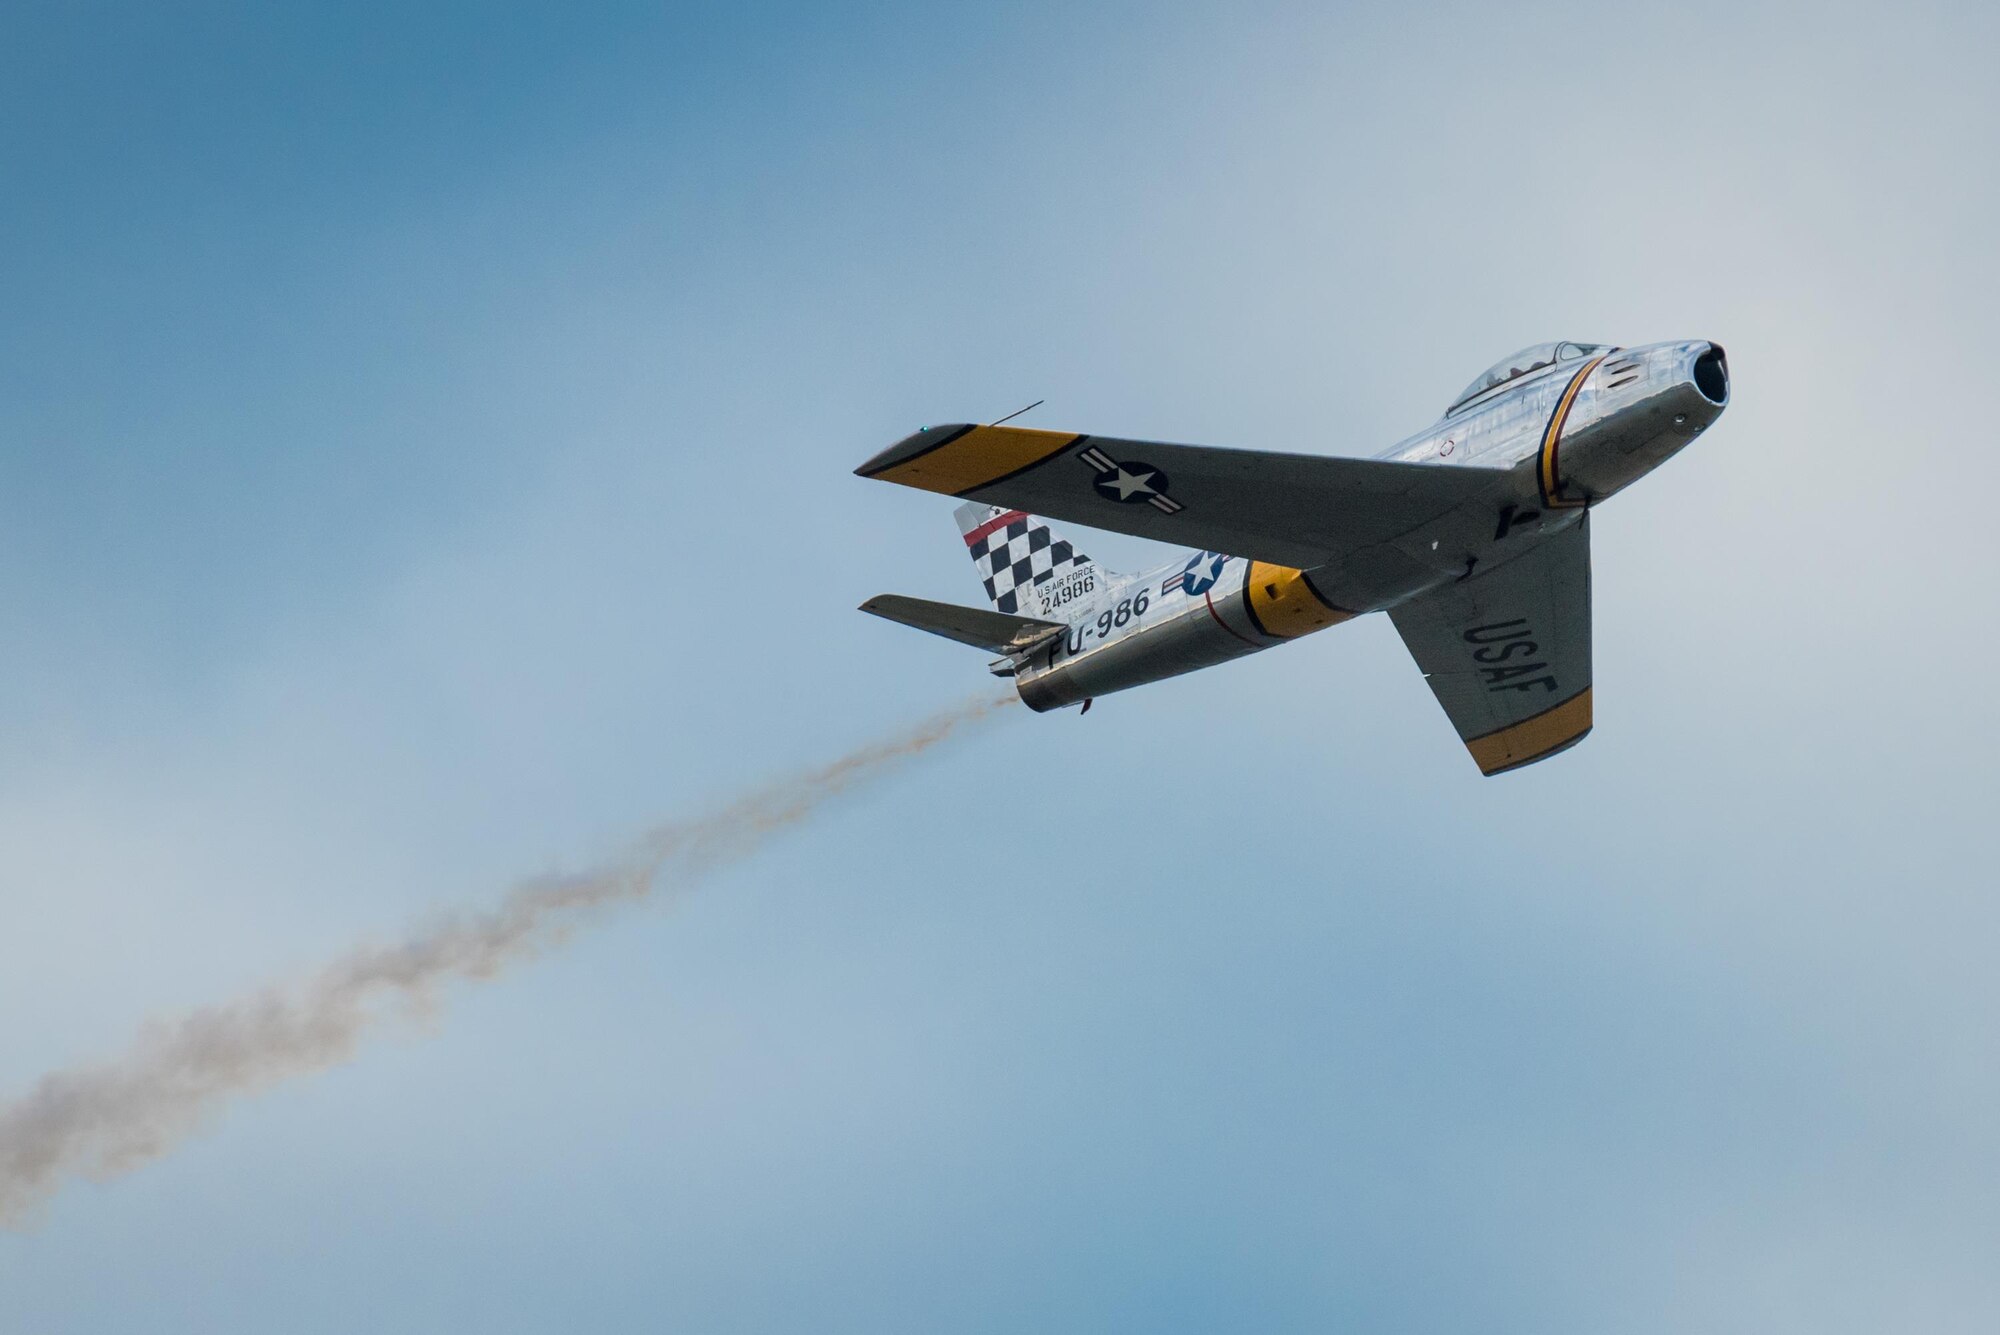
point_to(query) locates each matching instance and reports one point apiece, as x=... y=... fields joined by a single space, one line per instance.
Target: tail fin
x=1022 y=560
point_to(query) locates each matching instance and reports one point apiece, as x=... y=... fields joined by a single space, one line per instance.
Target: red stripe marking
x=995 y=523
x=1224 y=624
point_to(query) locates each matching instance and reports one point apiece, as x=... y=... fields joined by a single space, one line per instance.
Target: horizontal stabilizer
x=995 y=632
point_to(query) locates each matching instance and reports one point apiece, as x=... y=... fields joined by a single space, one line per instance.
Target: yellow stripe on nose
x=977 y=458
x=1533 y=738
x=1551 y=483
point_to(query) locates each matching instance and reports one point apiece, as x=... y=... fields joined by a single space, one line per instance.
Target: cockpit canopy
x=1525 y=362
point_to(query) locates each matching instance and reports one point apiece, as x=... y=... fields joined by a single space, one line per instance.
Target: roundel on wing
x=1130 y=483
x=1202 y=572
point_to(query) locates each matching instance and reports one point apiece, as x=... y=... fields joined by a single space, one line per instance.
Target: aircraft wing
x=995 y=632
x=1507 y=652
x=1297 y=510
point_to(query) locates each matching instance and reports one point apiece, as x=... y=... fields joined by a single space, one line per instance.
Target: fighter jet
x=1473 y=535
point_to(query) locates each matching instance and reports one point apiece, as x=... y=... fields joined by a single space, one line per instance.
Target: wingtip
x=1510 y=766
x=923 y=438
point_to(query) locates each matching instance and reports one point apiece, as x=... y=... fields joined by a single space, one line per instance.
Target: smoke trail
x=100 y=1121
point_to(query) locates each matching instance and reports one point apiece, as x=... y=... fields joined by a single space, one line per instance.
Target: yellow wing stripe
x=1533 y=738
x=977 y=458
x=1552 y=485
x=1284 y=604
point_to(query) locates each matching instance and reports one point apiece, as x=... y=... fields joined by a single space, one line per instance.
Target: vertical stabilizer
x=1028 y=569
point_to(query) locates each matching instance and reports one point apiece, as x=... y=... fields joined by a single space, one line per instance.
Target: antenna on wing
x=1018 y=411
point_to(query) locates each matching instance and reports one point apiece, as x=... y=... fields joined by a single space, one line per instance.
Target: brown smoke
x=99 y=1121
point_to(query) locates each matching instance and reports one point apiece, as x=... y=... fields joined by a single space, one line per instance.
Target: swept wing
x=1296 y=510
x=1507 y=652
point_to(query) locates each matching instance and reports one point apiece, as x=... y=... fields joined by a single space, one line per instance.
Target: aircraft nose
x=1709 y=369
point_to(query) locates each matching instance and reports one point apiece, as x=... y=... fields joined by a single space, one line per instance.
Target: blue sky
x=424 y=460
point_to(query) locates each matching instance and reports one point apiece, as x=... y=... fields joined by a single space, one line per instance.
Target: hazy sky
x=424 y=460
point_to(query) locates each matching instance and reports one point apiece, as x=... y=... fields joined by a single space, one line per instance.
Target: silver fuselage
x=1566 y=437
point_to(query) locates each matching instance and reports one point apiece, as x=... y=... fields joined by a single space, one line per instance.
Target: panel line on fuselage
x=1210 y=601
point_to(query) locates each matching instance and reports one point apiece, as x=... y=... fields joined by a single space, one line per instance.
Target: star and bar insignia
x=1129 y=483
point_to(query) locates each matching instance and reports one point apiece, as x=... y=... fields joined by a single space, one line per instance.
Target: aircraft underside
x=1473 y=536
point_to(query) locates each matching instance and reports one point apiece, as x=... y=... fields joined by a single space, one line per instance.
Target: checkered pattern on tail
x=1015 y=551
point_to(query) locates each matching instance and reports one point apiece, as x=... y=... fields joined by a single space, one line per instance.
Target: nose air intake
x=1711 y=375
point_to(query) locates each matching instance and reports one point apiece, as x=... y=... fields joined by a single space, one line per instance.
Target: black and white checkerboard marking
x=1018 y=555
